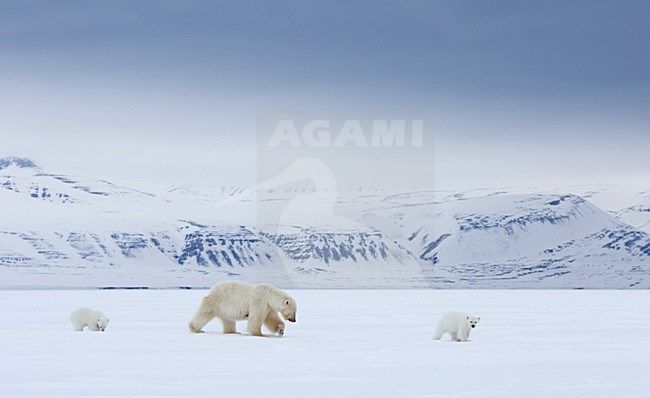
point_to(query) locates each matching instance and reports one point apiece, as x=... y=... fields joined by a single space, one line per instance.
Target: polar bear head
x=472 y=321
x=278 y=300
x=288 y=308
x=101 y=322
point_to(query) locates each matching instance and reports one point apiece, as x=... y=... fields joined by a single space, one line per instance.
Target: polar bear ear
x=287 y=302
x=468 y=318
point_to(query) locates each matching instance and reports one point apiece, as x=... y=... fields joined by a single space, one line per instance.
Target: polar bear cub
x=233 y=301
x=457 y=324
x=95 y=320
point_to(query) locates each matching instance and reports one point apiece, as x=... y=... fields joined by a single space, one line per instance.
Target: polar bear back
x=233 y=298
x=452 y=321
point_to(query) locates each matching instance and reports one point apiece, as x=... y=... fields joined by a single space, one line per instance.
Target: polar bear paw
x=280 y=330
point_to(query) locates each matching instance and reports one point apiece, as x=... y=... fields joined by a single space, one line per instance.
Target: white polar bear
x=457 y=324
x=95 y=320
x=233 y=301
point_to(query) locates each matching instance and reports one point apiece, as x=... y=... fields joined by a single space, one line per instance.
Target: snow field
x=345 y=343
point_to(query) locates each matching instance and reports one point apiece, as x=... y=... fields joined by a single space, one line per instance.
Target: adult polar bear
x=233 y=301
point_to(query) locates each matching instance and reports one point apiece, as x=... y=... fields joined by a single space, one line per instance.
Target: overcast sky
x=159 y=93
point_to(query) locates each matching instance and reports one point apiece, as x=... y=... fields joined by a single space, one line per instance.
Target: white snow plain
x=347 y=343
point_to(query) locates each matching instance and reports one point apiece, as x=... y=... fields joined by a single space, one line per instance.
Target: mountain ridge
x=76 y=231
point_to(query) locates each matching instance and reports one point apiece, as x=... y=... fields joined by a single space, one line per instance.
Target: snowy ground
x=346 y=343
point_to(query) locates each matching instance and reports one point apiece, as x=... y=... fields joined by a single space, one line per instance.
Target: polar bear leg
x=200 y=320
x=454 y=336
x=203 y=315
x=229 y=327
x=439 y=332
x=78 y=327
x=255 y=319
x=274 y=323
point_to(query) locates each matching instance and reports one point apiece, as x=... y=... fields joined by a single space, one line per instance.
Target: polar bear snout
x=291 y=318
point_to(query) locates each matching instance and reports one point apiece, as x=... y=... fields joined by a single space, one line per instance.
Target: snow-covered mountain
x=60 y=230
x=529 y=240
x=637 y=215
